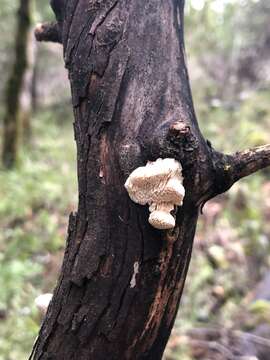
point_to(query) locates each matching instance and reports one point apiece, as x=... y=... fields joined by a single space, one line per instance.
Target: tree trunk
x=28 y=92
x=11 y=132
x=122 y=280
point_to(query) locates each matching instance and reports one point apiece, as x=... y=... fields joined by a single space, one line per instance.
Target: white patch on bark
x=136 y=271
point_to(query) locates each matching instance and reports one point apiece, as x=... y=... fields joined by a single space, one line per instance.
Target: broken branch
x=247 y=162
x=48 y=32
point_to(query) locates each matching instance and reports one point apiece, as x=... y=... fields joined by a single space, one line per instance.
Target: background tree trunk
x=28 y=92
x=11 y=133
x=122 y=280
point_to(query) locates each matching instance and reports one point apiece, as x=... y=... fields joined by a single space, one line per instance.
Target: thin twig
x=247 y=162
x=254 y=338
x=214 y=345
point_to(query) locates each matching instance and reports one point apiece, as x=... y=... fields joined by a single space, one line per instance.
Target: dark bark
x=132 y=103
x=11 y=133
x=48 y=32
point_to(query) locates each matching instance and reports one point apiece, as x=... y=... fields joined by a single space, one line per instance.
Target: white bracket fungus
x=158 y=184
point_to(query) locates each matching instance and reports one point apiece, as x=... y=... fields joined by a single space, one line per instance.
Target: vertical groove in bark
x=11 y=132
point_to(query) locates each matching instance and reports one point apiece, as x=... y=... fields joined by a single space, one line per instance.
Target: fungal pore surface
x=160 y=185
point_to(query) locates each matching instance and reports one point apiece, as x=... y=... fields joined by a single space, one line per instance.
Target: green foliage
x=244 y=125
x=35 y=200
x=43 y=11
x=260 y=313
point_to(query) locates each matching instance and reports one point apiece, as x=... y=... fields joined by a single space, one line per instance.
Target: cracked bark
x=132 y=103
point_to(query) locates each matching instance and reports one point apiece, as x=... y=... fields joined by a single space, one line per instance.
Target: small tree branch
x=48 y=32
x=228 y=169
x=215 y=346
x=247 y=162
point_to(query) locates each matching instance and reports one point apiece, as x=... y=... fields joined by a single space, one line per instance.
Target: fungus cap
x=161 y=220
x=158 y=181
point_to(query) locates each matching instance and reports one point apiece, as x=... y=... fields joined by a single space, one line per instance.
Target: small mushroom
x=161 y=217
x=42 y=302
x=158 y=184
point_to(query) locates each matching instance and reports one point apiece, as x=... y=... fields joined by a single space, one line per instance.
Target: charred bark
x=12 y=128
x=122 y=280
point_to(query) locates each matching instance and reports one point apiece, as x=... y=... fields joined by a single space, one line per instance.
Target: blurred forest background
x=226 y=303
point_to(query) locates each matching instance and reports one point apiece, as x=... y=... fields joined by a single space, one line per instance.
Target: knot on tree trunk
x=48 y=32
x=173 y=140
